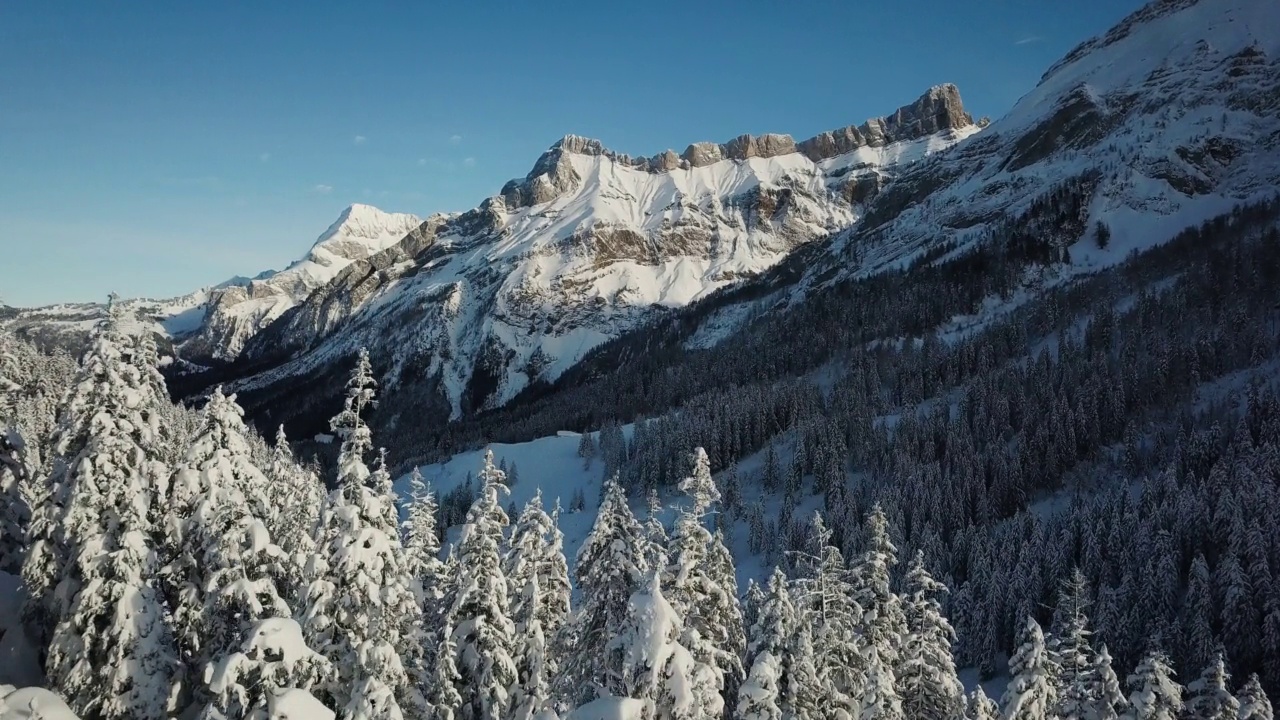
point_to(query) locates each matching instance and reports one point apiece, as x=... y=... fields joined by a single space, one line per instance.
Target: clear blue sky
x=154 y=147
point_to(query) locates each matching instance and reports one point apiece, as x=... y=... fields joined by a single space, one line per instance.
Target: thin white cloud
x=264 y=157
x=1028 y=40
x=322 y=189
x=455 y=139
x=469 y=162
x=360 y=140
x=422 y=162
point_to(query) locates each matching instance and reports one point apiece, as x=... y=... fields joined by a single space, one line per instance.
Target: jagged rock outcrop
x=939 y=109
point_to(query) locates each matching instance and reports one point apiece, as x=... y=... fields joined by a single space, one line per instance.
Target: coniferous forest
x=173 y=563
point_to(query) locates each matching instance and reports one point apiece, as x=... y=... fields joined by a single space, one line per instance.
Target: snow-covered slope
x=215 y=322
x=1171 y=117
x=237 y=312
x=590 y=244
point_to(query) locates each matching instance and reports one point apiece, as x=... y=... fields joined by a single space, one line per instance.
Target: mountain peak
x=938 y=109
x=367 y=222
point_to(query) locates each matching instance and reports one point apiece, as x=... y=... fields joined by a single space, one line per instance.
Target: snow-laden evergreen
x=1254 y=703
x=538 y=578
x=360 y=608
x=700 y=581
x=273 y=661
x=611 y=566
x=656 y=666
x=981 y=707
x=298 y=497
x=1109 y=701
x=422 y=544
x=761 y=695
x=1033 y=693
x=483 y=631
x=926 y=673
x=1154 y=693
x=226 y=574
x=1210 y=695
x=1072 y=653
x=834 y=619
x=111 y=652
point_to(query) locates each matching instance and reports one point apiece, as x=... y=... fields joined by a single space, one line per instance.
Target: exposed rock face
x=938 y=110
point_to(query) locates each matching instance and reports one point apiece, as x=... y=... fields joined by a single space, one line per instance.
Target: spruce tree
x=1254 y=704
x=611 y=566
x=1033 y=692
x=299 y=497
x=761 y=695
x=1210 y=696
x=483 y=631
x=884 y=622
x=1072 y=652
x=701 y=583
x=272 y=661
x=1154 y=694
x=361 y=611
x=657 y=667
x=538 y=583
x=824 y=597
x=981 y=707
x=422 y=546
x=112 y=653
x=1108 y=699
x=926 y=672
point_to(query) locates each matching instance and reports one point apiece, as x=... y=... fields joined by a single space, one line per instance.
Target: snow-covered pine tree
x=656 y=666
x=586 y=450
x=1108 y=699
x=884 y=622
x=443 y=700
x=273 y=660
x=655 y=532
x=880 y=700
x=16 y=470
x=1210 y=695
x=481 y=614
x=1254 y=704
x=610 y=568
x=360 y=608
x=1154 y=694
x=824 y=597
x=926 y=672
x=700 y=581
x=1032 y=694
x=299 y=497
x=422 y=548
x=761 y=695
x=537 y=578
x=1072 y=653
x=227 y=573
x=981 y=707
x=806 y=695
x=112 y=654
x=752 y=600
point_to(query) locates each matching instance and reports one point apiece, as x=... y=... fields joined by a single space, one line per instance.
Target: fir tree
x=1072 y=653
x=611 y=566
x=538 y=581
x=981 y=707
x=826 y=604
x=481 y=614
x=1210 y=698
x=926 y=673
x=761 y=695
x=273 y=660
x=422 y=545
x=112 y=654
x=1254 y=704
x=1154 y=694
x=1108 y=699
x=443 y=699
x=701 y=584
x=1033 y=692
x=361 y=611
x=884 y=622
x=655 y=664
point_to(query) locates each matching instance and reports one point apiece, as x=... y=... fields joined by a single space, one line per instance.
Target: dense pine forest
x=174 y=564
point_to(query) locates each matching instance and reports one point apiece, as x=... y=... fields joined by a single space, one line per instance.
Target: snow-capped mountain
x=238 y=311
x=215 y=322
x=588 y=246
x=1169 y=118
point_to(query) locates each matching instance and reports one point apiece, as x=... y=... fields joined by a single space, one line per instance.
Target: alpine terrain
x=926 y=418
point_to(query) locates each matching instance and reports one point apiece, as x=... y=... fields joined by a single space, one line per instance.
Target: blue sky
x=152 y=148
